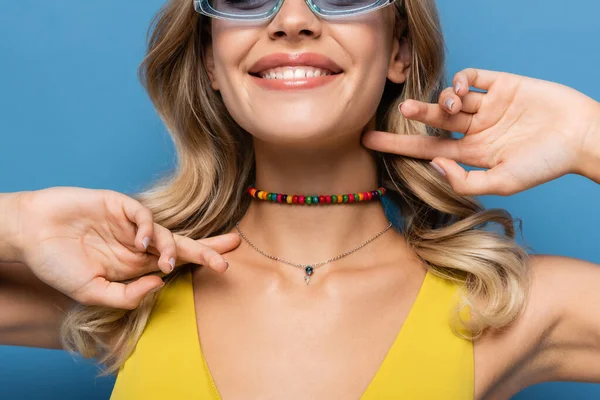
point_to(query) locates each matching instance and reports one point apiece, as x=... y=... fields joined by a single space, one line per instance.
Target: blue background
x=73 y=113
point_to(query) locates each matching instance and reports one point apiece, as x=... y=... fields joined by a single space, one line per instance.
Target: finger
x=118 y=295
x=142 y=217
x=479 y=78
x=449 y=101
x=477 y=182
x=164 y=243
x=472 y=101
x=416 y=146
x=436 y=116
x=222 y=243
x=207 y=252
x=150 y=263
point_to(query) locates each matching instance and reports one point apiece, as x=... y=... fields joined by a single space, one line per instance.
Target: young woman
x=324 y=300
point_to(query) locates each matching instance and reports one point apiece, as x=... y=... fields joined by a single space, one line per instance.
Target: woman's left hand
x=526 y=131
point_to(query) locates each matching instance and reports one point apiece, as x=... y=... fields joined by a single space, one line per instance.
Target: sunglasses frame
x=203 y=7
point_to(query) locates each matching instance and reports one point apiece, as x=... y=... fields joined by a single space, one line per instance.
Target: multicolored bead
x=283 y=198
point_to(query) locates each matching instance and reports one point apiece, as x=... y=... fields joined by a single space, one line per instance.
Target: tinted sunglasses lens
x=346 y=6
x=243 y=7
x=249 y=8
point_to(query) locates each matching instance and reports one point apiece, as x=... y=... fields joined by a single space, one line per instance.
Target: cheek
x=231 y=46
x=366 y=44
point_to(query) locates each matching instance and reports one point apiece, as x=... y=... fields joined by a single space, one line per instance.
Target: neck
x=314 y=233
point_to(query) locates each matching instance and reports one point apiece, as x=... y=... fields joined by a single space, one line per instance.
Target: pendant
x=309 y=271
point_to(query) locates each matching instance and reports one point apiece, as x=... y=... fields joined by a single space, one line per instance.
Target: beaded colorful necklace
x=323 y=199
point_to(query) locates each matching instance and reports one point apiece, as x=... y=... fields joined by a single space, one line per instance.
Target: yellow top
x=426 y=360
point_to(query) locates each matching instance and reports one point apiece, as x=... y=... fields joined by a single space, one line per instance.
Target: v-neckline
x=417 y=301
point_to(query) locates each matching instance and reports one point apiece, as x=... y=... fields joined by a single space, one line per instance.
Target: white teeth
x=288 y=74
x=293 y=73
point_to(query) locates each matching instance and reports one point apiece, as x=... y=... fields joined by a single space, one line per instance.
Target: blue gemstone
x=309 y=270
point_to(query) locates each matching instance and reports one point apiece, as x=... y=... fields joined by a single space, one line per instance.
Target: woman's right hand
x=86 y=242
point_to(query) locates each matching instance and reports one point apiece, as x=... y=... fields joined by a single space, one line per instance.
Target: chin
x=303 y=136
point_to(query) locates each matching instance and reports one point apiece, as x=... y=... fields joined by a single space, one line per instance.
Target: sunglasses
x=261 y=10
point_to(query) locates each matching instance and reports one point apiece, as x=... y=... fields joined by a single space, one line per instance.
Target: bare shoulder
x=532 y=348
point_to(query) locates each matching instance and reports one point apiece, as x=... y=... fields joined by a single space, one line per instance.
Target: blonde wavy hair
x=202 y=197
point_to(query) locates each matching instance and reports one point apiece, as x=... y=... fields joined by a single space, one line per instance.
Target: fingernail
x=226 y=262
x=438 y=168
x=400 y=107
x=449 y=103
x=172 y=262
x=146 y=242
x=457 y=87
x=156 y=289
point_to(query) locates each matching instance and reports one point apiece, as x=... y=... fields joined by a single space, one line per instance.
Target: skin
x=307 y=141
x=296 y=137
x=95 y=247
x=244 y=313
x=522 y=141
x=526 y=132
x=86 y=243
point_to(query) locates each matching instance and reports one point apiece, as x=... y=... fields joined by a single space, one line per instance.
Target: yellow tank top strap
x=427 y=361
x=167 y=361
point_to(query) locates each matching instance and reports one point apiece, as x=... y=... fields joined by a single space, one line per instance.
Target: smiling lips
x=283 y=71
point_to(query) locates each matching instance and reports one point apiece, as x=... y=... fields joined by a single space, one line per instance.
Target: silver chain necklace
x=309 y=268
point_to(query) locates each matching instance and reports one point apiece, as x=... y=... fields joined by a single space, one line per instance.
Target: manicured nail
x=172 y=262
x=449 y=103
x=457 y=87
x=438 y=168
x=400 y=107
x=146 y=242
x=156 y=289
